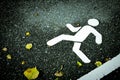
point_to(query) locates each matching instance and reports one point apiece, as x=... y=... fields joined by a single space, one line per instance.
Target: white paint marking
x=103 y=70
x=79 y=37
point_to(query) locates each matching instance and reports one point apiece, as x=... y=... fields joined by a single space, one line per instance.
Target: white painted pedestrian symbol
x=80 y=36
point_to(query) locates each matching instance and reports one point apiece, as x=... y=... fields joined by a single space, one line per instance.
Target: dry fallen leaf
x=31 y=73
x=28 y=46
x=98 y=63
x=27 y=33
x=4 y=49
x=9 y=56
x=79 y=64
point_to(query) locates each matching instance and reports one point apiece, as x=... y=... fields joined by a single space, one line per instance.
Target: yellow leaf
x=31 y=73
x=9 y=56
x=27 y=33
x=28 y=46
x=23 y=62
x=4 y=49
x=98 y=63
x=79 y=64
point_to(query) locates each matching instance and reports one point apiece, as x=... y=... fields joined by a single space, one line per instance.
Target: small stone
x=78 y=25
x=23 y=37
x=28 y=46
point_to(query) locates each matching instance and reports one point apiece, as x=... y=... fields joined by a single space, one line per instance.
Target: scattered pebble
x=98 y=63
x=4 y=49
x=23 y=37
x=59 y=74
x=9 y=56
x=78 y=25
x=79 y=64
x=28 y=46
x=27 y=33
x=31 y=73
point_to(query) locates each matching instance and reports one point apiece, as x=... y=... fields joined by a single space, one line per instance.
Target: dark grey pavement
x=46 y=19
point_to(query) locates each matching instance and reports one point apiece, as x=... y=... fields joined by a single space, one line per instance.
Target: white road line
x=103 y=70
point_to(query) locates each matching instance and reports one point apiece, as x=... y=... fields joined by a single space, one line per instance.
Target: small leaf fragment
x=56 y=78
x=79 y=64
x=23 y=62
x=61 y=67
x=107 y=59
x=58 y=74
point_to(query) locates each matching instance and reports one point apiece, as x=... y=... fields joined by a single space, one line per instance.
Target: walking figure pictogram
x=80 y=36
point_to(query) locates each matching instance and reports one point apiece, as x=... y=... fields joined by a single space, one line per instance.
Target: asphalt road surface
x=45 y=19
